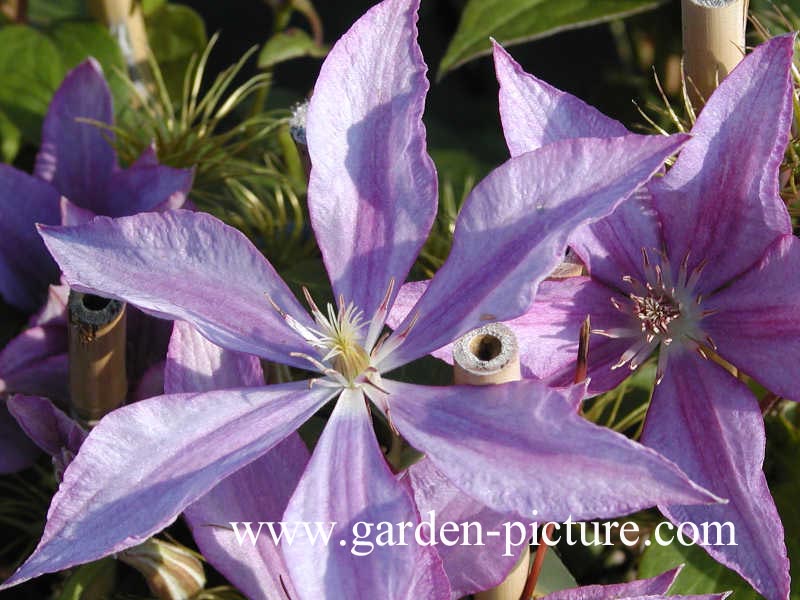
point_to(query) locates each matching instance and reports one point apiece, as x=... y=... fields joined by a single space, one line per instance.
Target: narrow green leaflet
x=286 y=45
x=514 y=21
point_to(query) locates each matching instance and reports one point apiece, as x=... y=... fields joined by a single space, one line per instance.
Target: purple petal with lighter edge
x=710 y=424
x=513 y=230
x=756 y=319
x=521 y=447
x=535 y=114
x=189 y=266
x=654 y=587
x=26 y=268
x=46 y=425
x=348 y=482
x=76 y=156
x=17 y=451
x=258 y=492
x=470 y=568
x=150 y=460
x=373 y=189
x=710 y=210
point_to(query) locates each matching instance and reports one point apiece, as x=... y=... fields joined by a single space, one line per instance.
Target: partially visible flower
x=701 y=264
x=76 y=177
x=372 y=199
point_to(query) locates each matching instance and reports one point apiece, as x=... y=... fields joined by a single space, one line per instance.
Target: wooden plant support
x=486 y=356
x=713 y=43
x=97 y=379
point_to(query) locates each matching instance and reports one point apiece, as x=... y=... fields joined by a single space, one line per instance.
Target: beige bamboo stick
x=97 y=379
x=713 y=43
x=125 y=21
x=486 y=356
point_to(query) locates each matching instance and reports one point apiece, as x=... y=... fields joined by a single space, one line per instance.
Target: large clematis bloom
x=372 y=198
x=701 y=263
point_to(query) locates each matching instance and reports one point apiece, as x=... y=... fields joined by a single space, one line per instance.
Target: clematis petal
x=654 y=587
x=46 y=425
x=470 y=568
x=259 y=491
x=548 y=332
x=513 y=231
x=196 y=365
x=185 y=265
x=146 y=188
x=148 y=461
x=719 y=203
x=709 y=423
x=348 y=482
x=522 y=447
x=35 y=363
x=76 y=156
x=17 y=451
x=72 y=214
x=373 y=189
x=756 y=323
x=535 y=114
x=612 y=248
x=26 y=269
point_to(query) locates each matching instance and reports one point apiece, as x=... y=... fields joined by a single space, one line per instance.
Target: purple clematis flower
x=701 y=263
x=372 y=198
x=76 y=177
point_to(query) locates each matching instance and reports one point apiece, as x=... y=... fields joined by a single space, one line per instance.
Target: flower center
x=664 y=307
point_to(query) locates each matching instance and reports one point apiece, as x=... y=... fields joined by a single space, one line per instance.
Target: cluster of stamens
x=350 y=346
x=664 y=307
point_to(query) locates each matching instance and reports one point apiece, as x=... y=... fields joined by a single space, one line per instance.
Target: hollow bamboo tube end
x=97 y=379
x=713 y=43
x=485 y=356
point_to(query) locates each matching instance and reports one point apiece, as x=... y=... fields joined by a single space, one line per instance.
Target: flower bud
x=172 y=572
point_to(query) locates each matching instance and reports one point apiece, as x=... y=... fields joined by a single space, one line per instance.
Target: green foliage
x=175 y=33
x=32 y=64
x=515 y=21
x=286 y=45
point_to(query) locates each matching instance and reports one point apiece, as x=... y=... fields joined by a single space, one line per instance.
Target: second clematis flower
x=702 y=264
x=516 y=448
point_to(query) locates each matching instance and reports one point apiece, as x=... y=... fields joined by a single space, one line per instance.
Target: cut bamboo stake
x=97 y=379
x=486 y=356
x=713 y=43
x=125 y=21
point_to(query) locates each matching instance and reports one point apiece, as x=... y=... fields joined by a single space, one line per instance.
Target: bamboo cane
x=713 y=43
x=125 y=21
x=486 y=356
x=97 y=379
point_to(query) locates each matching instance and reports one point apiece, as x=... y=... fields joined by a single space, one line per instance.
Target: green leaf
x=515 y=21
x=151 y=6
x=30 y=69
x=554 y=576
x=700 y=575
x=175 y=33
x=46 y=12
x=91 y=581
x=76 y=41
x=286 y=45
x=10 y=139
